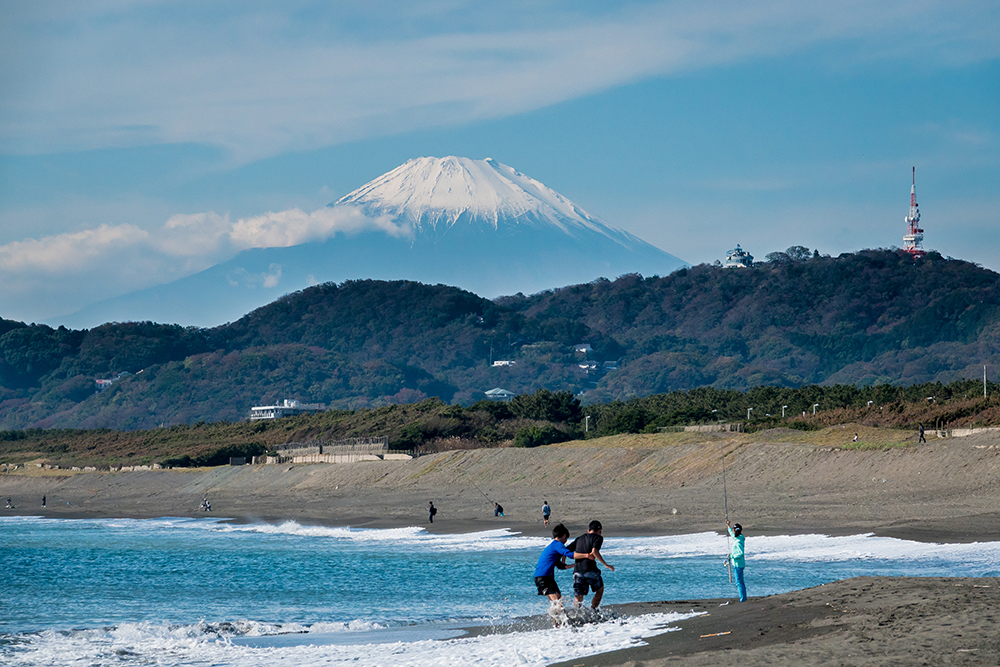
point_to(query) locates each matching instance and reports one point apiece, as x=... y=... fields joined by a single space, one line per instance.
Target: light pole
x=749 y=410
x=714 y=415
x=815 y=405
x=783 y=411
x=586 y=424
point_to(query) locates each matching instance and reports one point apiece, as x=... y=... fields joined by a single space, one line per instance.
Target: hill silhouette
x=872 y=317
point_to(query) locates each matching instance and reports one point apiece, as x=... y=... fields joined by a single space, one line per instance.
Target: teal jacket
x=736 y=554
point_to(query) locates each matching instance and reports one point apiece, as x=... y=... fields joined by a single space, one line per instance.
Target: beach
x=776 y=483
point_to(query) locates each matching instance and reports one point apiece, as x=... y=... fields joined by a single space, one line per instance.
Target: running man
x=546 y=511
x=736 y=555
x=586 y=574
x=553 y=556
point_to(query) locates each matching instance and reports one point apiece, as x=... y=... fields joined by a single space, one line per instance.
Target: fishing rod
x=725 y=495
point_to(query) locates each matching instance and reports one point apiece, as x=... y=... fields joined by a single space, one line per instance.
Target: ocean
x=204 y=591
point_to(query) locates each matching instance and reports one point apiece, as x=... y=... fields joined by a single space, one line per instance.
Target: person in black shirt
x=586 y=574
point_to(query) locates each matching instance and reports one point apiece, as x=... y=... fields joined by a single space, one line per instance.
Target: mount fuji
x=475 y=224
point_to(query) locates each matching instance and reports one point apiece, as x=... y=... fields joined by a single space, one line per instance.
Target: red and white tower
x=914 y=235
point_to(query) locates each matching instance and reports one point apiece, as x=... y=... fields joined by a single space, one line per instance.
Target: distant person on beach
x=736 y=556
x=921 y=432
x=553 y=556
x=546 y=511
x=9 y=506
x=855 y=438
x=586 y=574
x=431 y=511
x=43 y=501
x=497 y=509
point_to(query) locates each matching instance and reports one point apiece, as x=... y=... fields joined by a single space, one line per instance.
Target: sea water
x=209 y=592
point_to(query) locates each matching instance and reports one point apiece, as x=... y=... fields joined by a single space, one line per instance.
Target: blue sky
x=136 y=136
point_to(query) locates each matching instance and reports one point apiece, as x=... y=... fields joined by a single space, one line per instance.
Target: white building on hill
x=285 y=409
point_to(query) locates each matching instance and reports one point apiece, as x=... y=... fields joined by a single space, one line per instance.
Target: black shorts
x=547 y=585
x=584 y=580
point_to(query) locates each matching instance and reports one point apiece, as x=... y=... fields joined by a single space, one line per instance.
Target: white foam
x=501 y=538
x=804 y=548
x=145 y=643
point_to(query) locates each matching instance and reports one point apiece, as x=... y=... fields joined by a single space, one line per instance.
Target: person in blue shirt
x=553 y=556
x=737 y=557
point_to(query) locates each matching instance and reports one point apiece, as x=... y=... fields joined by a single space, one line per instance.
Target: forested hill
x=876 y=316
x=870 y=317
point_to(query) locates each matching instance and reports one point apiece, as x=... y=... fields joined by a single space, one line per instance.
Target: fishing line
x=725 y=495
x=481 y=491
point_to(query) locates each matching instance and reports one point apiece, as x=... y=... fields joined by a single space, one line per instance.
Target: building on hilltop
x=738 y=259
x=285 y=409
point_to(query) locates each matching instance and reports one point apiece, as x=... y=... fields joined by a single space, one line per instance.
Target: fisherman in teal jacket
x=736 y=556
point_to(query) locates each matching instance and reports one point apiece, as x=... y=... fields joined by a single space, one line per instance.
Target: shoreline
x=952 y=534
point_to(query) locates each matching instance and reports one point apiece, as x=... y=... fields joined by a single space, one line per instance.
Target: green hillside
x=870 y=318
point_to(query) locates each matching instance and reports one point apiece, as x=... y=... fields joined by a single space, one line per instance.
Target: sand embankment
x=776 y=482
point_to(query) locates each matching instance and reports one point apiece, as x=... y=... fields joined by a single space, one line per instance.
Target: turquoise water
x=74 y=586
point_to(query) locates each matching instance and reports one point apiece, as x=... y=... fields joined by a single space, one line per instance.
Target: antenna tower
x=914 y=234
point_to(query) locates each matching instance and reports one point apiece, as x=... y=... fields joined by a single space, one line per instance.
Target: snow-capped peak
x=436 y=193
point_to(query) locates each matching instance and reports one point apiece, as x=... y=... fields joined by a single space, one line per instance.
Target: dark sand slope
x=778 y=482
x=862 y=621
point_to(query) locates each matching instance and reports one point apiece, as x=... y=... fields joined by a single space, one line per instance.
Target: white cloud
x=72 y=252
x=66 y=271
x=294 y=227
x=260 y=82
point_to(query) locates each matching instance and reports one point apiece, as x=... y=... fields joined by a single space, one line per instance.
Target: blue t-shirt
x=550 y=556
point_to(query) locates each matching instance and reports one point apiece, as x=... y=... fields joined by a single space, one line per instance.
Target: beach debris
x=717 y=634
x=673 y=511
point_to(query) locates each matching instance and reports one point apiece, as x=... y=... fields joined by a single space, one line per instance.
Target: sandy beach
x=777 y=482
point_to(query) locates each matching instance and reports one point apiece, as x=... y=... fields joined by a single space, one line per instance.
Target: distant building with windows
x=738 y=259
x=285 y=409
x=503 y=362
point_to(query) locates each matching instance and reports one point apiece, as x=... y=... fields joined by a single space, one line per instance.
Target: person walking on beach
x=497 y=509
x=736 y=556
x=546 y=511
x=553 y=556
x=586 y=574
x=920 y=438
x=43 y=501
x=431 y=511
